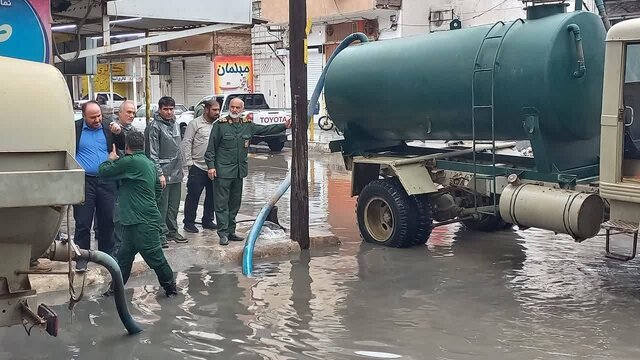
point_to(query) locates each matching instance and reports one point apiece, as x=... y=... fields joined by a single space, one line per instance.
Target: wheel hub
x=378 y=219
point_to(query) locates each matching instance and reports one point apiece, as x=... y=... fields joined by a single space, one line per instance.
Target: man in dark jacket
x=164 y=150
x=94 y=141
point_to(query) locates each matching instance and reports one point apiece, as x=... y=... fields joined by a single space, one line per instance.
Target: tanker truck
x=39 y=180
x=556 y=79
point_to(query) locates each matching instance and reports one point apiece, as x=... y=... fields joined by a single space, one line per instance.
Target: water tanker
x=539 y=78
x=39 y=180
x=556 y=79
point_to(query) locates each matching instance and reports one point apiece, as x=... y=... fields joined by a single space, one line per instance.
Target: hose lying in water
x=111 y=265
x=247 y=255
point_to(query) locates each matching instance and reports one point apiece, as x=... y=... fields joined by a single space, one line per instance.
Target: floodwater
x=466 y=295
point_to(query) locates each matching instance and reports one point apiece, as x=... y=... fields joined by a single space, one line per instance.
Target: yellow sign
x=101 y=79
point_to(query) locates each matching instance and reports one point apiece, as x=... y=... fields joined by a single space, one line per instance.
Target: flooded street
x=466 y=295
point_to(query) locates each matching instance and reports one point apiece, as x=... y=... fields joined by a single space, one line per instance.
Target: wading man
x=139 y=193
x=226 y=159
x=194 y=145
x=125 y=120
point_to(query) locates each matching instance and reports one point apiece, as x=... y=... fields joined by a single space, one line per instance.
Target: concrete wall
x=277 y=11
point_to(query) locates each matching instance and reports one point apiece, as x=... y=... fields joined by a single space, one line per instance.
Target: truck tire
x=275 y=146
x=424 y=219
x=385 y=215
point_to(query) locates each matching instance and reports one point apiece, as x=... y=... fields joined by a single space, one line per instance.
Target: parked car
x=256 y=108
x=117 y=100
x=183 y=117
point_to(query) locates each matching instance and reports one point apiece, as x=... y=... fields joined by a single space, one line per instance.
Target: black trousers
x=198 y=180
x=99 y=199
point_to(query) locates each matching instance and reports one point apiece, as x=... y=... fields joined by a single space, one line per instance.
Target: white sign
x=124 y=79
x=211 y=11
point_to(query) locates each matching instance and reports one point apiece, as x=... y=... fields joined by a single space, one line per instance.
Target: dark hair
x=209 y=103
x=84 y=106
x=135 y=141
x=166 y=101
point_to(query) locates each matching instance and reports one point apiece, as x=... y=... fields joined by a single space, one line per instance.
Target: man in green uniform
x=139 y=194
x=226 y=159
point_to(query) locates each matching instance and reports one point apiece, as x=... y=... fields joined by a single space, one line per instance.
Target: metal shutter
x=199 y=74
x=177 y=81
x=314 y=69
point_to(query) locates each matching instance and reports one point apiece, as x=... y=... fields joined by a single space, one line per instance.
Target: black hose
x=111 y=265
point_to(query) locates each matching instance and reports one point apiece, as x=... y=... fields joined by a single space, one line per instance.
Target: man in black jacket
x=94 y=142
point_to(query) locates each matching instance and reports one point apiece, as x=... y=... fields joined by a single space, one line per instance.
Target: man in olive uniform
x=226 y=159
x=139 y=193
x=125 y=119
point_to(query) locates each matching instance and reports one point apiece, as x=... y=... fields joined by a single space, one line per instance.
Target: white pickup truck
x=258 y=110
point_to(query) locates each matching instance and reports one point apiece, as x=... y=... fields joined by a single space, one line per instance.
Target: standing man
x=125 y=120
x=164 y=151
x=139 y=194
x=194 y=145
x=94 y=141
x=226 y=159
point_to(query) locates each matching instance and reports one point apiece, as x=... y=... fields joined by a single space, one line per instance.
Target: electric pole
x=300 y=122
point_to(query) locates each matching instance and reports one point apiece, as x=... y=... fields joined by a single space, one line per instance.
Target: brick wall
x=233 y=42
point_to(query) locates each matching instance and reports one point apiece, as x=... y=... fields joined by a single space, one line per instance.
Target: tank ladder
x=489 y=49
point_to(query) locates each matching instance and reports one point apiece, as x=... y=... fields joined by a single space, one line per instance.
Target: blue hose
x=111 y=265
x=247 y=255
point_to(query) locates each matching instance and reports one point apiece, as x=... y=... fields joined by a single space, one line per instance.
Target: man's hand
x=115 y=128
x=113 y=155
x=212 y=173
x=287 y=122
x=163 y=181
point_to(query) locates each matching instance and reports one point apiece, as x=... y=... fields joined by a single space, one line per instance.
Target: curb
x=201 y=249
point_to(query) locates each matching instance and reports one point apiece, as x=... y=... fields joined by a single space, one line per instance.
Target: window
x=117 y=97
x=631 y=101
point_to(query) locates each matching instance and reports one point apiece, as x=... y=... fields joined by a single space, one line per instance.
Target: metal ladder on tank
x=483 y=107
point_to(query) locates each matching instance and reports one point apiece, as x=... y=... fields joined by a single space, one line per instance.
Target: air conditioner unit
x=440 y=20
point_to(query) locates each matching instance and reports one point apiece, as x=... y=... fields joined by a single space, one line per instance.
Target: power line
x=484 y=12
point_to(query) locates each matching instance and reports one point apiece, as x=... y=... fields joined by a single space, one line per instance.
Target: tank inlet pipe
x=59 y=252
x=603 y=14
x=582 y=68
x=247 y=255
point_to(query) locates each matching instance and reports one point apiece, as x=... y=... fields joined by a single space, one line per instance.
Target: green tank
x=437 y=86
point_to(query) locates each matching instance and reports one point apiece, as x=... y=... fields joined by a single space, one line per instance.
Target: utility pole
x=299 y=163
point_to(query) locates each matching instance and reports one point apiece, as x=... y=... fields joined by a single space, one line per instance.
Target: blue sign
x=22 y=33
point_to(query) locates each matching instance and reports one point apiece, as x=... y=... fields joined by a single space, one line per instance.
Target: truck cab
x=619 y=148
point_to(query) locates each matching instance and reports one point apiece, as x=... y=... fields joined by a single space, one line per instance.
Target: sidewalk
x=202 y=249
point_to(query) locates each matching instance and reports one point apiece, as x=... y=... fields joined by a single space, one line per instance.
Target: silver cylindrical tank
x=38 y=174
x=563 y=211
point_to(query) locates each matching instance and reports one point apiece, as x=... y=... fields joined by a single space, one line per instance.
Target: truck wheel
x=424 y=219
x=275 y=146
x=384 y=214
